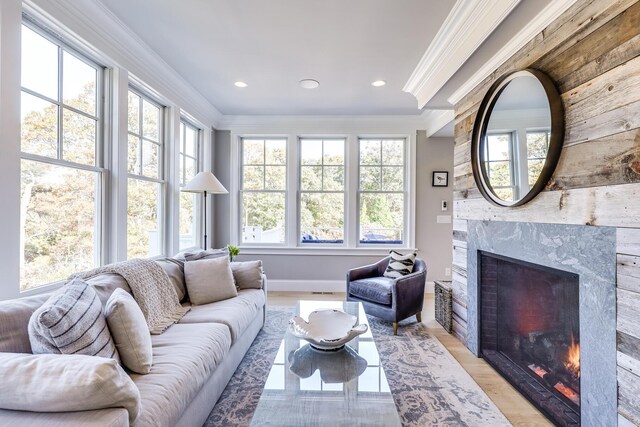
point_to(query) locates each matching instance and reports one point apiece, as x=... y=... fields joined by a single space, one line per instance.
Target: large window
x=381 y=192
x=146 y=177
x=263 y=190
x=61 y=166
x=322 y=182
x=189 y=167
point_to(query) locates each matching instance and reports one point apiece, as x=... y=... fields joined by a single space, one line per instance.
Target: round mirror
x=517 y=137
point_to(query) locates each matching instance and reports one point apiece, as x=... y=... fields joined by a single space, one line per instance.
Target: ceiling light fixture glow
x=378 y=83
x=240 y=84
x=309 y=83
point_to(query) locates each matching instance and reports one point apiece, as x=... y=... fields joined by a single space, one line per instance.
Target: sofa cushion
x=237 y=313
x=175 y=270
x=209 y=280
x=374 y=289
x=71 y=322
x=61 y=383
x=130 y=332
x=105 y=283
x=14 y=322
x=184 y=357
x=247 y=274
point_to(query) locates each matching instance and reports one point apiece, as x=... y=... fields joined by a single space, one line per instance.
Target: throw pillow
x=71 y=322
x=399 y=265
x=209 y=280
x=248 y=274
x=129 y=331
x=64 y=383
x=175 y=270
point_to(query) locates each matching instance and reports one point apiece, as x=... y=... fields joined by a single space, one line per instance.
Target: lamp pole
x=205 y=220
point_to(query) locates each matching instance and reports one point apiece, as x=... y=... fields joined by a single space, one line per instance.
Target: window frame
x=197 y=220
x=241 y=191
x=102 y=144
x=162 y=163
x=513 y=157
x=405 y=193
x=300 y=191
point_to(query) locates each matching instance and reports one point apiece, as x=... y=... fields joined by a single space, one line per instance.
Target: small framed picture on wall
x=440 y=179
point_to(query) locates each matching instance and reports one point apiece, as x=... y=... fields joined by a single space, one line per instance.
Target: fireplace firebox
x=530 y=332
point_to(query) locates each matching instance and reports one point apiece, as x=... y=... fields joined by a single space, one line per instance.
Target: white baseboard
x=306 y=285
x=318 y=286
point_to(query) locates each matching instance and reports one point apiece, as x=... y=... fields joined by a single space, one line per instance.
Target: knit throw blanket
x=151 y=289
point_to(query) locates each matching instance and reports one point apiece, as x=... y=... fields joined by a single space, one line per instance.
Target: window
x=263 y=190
x=61 y=166
x=537 y=148
x=322 y=192
x=499 y=164
x=189 y=167
x=146 y=185
x=381 y=192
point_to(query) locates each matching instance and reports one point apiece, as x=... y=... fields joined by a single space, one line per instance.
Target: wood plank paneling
x=592 y=51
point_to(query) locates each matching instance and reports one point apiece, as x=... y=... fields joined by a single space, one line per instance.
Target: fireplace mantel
x=589 y=252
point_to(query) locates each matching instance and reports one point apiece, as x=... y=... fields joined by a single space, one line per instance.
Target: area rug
x=429 y=386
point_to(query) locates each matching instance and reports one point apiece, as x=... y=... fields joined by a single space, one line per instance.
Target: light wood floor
x=515 y=407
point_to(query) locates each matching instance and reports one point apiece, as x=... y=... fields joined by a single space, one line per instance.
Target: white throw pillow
x=71 y=322
x=399 y=264
x=64 y=383
x=209 y=280
x=129 y=331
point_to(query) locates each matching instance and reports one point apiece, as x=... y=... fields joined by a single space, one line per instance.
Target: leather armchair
x=387 y=298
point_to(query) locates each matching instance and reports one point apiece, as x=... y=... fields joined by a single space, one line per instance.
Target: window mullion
x=60 y=107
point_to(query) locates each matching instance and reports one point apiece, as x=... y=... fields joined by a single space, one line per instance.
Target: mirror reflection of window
x=499 y=164
x=537 y=148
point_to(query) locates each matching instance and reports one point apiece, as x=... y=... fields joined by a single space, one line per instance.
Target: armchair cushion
x=374 y=289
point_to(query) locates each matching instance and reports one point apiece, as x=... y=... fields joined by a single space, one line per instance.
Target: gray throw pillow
x=201 y=254
x=71 y=322
x=399 y=264
x=129 y=331
x=209 y=280
x=175 y=270
x=247 y=274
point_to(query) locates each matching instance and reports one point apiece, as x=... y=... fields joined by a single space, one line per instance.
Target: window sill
x=323 y=251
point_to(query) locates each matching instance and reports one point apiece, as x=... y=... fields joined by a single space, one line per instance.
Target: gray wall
x=433 y=240
x=221 y=152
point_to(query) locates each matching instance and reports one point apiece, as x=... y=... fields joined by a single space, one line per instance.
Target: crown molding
x=95 y=28
x=535 y=26
x=321 y=123
x=437 y=119
x=468 y=24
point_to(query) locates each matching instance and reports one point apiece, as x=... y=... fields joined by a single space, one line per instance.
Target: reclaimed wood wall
x=592 y=52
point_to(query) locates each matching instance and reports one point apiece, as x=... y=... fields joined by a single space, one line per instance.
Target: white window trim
x=198 y=220
x=351 y=247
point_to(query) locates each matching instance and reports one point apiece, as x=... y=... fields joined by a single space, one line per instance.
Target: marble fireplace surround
x=587 y=251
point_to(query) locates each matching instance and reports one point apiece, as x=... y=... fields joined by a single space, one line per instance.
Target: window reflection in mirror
x=517 y=137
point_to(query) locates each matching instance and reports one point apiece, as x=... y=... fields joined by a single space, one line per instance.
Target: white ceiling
x=271 y=45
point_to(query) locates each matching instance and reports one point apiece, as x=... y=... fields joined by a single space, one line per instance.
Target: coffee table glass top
x=307 y=387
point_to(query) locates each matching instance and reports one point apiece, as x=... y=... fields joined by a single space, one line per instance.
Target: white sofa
x=192 y=361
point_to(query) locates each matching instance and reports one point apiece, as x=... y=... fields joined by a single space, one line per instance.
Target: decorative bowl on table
x=327 y=330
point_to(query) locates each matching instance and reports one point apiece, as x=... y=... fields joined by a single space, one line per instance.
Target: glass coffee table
x=307 y=387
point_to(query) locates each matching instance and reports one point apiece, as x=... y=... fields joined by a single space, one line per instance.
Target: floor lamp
x=205 y=182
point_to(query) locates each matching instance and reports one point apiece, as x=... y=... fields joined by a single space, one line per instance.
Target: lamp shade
x=205 y=181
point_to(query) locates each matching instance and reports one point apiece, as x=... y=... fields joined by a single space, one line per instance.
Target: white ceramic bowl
x=327 y=329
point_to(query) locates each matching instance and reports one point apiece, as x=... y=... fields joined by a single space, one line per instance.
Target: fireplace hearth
x=530 y=332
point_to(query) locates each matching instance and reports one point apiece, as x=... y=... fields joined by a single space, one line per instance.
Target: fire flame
x=573 y=358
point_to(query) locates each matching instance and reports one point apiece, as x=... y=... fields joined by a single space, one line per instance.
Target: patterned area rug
x=429 y=386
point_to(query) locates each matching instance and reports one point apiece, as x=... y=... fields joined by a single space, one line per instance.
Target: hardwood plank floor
x=515 y=407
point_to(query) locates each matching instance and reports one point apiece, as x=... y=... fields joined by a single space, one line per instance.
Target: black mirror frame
x=480 y=128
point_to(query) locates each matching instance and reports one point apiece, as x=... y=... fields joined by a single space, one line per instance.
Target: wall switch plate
x=443 y=219
x=447 y=271
x=444 y=206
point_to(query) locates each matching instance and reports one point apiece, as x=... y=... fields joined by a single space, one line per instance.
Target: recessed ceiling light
x=309 y=83
x=240 y=84
x=378 y=83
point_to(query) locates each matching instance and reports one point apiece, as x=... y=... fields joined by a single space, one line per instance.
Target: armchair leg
x=395 y=328
x=419 y=317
